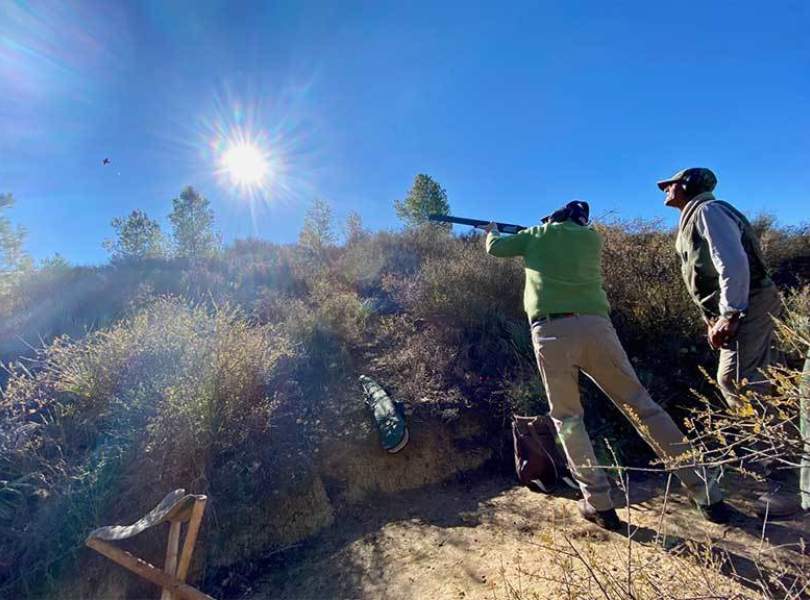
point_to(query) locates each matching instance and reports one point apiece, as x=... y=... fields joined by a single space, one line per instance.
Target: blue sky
x=514 y=108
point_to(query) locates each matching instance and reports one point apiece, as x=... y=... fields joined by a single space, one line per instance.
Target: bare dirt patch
x=491 y=539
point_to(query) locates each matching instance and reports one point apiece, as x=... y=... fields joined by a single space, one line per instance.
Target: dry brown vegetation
x=236 y=376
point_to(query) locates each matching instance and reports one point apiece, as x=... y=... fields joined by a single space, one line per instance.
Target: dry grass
x=158 y=401
x=152 y=392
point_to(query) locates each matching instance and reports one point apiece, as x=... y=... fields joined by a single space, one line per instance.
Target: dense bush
x=159 y=400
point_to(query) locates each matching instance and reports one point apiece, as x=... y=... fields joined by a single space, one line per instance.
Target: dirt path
x=491 y=539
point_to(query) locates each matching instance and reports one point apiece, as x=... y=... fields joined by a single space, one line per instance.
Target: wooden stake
x=191 y=537
x=170 y=566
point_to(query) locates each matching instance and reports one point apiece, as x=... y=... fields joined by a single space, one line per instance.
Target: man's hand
x=491 y=226
x=723 y=331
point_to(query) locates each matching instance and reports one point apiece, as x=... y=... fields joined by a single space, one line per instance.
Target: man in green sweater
x=572 y=333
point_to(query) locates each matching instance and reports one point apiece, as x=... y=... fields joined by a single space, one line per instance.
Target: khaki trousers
x=588 y=343
x=751 y=349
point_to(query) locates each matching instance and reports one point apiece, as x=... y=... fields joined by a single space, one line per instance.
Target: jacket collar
x=692 y=206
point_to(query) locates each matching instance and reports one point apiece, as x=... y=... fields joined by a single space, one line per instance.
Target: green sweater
x=563 y=264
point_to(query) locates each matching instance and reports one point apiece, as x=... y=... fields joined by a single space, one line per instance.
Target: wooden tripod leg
x=170 y=566
x=147 y=571
x=191 y=537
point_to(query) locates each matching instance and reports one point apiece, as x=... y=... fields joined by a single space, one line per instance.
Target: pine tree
x=316 y=234
x=137 y=237
x=193 y=226
x=425 y=197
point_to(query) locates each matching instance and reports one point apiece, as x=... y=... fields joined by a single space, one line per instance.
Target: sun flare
x=246 y=164
x=253 y=156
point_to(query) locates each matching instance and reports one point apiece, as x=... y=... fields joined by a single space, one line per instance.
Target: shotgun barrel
x=502 y=227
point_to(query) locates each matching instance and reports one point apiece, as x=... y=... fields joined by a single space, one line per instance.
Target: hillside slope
x=237 y=376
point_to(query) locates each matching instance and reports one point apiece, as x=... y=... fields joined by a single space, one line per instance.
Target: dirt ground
x=488 y=538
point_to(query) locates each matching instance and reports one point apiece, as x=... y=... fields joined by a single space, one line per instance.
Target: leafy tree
x=354 y=228
x=317 y=234
x=137 y=237
x=425 y=197
x=14 y=262
x=193 y=225
x=12 y=257
x=54 y=264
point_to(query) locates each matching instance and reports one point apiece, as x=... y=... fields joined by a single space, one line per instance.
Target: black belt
x=551 y=317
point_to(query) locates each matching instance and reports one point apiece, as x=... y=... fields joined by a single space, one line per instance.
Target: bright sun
x=246 y=164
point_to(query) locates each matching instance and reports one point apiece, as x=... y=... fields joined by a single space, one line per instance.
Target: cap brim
x=662 y=185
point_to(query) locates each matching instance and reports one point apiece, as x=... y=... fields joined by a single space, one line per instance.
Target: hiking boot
x=607 y=519
x=777 y=504
x=715 y=513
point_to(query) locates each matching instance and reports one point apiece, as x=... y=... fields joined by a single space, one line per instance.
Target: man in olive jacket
x=571 y=332
x=726 y=276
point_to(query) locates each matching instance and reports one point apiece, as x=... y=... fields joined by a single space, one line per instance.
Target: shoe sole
x=401 y=444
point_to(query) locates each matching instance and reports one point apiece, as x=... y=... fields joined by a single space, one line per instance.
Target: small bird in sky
x=106 y=161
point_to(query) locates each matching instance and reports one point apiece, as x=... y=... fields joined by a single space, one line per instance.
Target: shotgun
x=502 y=227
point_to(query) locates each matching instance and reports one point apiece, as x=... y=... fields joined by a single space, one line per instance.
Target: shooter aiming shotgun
x=571 y=332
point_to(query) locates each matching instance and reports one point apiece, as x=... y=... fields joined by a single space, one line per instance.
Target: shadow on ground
x=461 y=502
x=458 y=539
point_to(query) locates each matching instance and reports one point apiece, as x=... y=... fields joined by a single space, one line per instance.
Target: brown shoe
x=607 y=519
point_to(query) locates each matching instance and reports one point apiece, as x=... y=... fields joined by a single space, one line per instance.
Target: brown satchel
x=539 y=464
